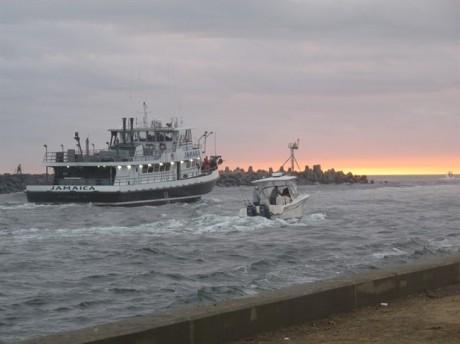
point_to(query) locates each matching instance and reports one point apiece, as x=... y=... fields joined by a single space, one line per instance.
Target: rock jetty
x=17 y=182
x=309 y=175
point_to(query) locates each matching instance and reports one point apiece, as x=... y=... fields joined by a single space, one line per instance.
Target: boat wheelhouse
x=151 y=164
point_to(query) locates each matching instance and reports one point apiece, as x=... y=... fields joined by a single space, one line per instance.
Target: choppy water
x=70 y=266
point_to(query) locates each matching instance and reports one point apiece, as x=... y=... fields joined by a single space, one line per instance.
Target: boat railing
x=83 y=181
x=158 y=177
x=99 y=156
x=147 y=179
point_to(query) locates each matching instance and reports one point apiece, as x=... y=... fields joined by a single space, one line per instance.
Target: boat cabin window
x=142 y=136
x=165 y=167
x=149 y=148
x=145 y=169
x=150 y=169
x=74 y=175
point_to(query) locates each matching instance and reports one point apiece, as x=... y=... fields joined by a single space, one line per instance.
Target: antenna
x=145 y=120
x=77 y=138
x=293 y=147
x=87 y=146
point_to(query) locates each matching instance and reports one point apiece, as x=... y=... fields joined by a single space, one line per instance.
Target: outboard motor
x=264 y=211
x=251 y=210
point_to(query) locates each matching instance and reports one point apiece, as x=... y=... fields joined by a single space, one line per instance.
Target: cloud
x=253 y=18
x=337 y=71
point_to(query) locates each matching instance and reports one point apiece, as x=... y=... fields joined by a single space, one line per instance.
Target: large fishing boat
x=148 y=164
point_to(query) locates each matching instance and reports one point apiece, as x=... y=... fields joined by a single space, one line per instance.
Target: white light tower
x=293 y=147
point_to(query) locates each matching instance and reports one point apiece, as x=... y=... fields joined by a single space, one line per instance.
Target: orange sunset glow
x=383 y=166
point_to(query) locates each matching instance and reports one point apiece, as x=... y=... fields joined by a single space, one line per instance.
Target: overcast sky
x=362 y=84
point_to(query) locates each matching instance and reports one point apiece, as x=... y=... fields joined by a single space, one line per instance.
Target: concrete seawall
x=247 y=316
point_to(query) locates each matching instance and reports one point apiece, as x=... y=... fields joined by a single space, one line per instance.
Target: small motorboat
x=276 y=196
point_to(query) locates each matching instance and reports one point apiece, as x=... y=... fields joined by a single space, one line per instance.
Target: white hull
x=213 y=176
x=185 y=190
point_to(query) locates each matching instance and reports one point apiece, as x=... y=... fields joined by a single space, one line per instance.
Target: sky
x=368 y=86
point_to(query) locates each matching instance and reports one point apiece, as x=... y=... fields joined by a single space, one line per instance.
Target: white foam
x=25 y=206
x=219 y=223
x=443 y=244
x=306 y=220
x=317 y=217
x=394 y=252
x=203 y=223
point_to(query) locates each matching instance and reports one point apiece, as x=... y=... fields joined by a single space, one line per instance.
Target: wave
x=416 y=248
x=202 y=224
x=394 y=252
x=317 y=217
x=120 y=290
x=28 y=206
x=216 y=293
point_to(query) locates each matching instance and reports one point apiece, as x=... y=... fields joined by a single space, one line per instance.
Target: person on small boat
x=273 y=195
x=286 y=196
x=256 y=196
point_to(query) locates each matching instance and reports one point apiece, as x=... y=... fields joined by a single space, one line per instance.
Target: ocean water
x=65 y=267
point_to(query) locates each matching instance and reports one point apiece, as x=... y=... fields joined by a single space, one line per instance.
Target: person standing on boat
x=256 y=196
x=205 y=166
x=273 y=195
x=286 y=196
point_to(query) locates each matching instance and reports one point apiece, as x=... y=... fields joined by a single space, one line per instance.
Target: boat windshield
x=266 y=190
x=293 y=190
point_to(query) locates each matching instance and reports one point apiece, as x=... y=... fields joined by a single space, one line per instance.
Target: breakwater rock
x=17 y=182
x=309 y=175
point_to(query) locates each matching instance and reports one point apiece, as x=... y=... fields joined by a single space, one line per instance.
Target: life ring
x=162 y=146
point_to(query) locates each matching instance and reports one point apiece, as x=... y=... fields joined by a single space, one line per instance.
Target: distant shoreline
x=308 y=176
